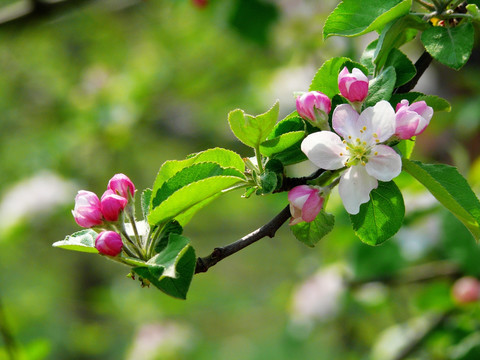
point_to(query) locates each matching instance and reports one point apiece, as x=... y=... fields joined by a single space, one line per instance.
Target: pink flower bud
x=314 y=106
x=87 y=212
x=353 y=86
x=112 y=205
x=411 y=120
x=466 y=290
x=121 y=185
x=305 y=203
x=109 y=243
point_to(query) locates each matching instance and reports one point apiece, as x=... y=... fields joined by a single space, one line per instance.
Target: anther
x=376 y=153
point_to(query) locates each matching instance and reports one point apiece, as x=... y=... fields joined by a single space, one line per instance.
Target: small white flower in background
x=318 y=298
x=361 y=151
x=39 y=194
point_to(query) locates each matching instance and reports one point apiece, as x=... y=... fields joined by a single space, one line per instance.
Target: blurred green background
x=93 y=88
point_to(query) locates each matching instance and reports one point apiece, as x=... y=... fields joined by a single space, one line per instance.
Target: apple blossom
x=314 y=106
x=361 y=151
x=87 y=211
x=411 y=120
x=353 y=86
x=112 y=205
x=305 y=203
x=109 y=243
x=121 y=185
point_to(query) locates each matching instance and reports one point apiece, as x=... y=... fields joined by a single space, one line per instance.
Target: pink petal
x=354 y=188
x=384 y=163
x=344 y=121
x=325 y=149
x=379 y=120
x=312 y=207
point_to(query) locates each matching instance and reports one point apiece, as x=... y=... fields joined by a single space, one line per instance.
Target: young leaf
x=252 y=130
x=268 y=182
x=394 y=35
x=281 y=143
x=310 y=233
x=83 y=241
x=172 y=227
x=381 y=217
x=406 y=147
x=357 y=17
x=326 y=78
x=189 y=197
x=450 y=46
x=188 y=175
x=450 y=189
x=404 y=68
x=172 y=269
x=224 y=158
x=145 y=201
x=381 y=87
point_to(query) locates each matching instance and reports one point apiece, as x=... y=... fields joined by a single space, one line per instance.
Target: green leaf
x=281 y=143
x=394 y=35
x=381 y=217
x=145 y=202
x=310 y=233
x=172 y=269
x=188 y=175
x=268 y=182
x=172 y=227
x=354 y=17
x=285 y=134
x=189 y=196
x=406 y=147
x=367 y=57
x=404 y=68
x=252 y=130
x=450 y=189
x=381 y=87
x=83 y=241
x=437 y=103
x=326 y=78
x=224 y=158
x=450 y=46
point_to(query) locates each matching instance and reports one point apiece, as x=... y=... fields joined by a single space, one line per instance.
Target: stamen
x=375 y=135
x=341 y=154
x=363 y=163
x=358 y=140
x=376 y=153
x=377 y=140
x=344 y=141
x=361 y=131
x=349 y=137
x=364 y=143
x=364 y=128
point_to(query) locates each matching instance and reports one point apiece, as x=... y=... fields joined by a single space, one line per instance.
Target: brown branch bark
x=421 y=65
x=220 y=253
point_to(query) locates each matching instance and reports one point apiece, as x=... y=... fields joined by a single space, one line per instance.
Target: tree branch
x=421 y=65
x=220 y=253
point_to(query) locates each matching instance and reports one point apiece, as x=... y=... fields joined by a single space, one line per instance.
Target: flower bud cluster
x=359 y=146
x=90 y=211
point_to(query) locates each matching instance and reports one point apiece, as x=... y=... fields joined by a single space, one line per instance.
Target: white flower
x=361 y=151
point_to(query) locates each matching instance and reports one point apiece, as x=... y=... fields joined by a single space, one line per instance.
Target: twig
x=220 y=253
x=426 y=5
x=436 y=322
x=290 y=183
x=421 y=65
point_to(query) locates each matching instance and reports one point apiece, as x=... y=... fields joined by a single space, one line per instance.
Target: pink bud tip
x=112 y=205
x=109 y=243
x=87 y=212
x=353 y=86
x=314 y=106
x=411 y=120
x=305 y=203
x=121 y=185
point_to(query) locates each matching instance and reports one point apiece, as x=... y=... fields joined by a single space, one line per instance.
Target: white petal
x=354 y=188
x=325 y=149
x=379 y=120
x=344 y=121
x=384 y=163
